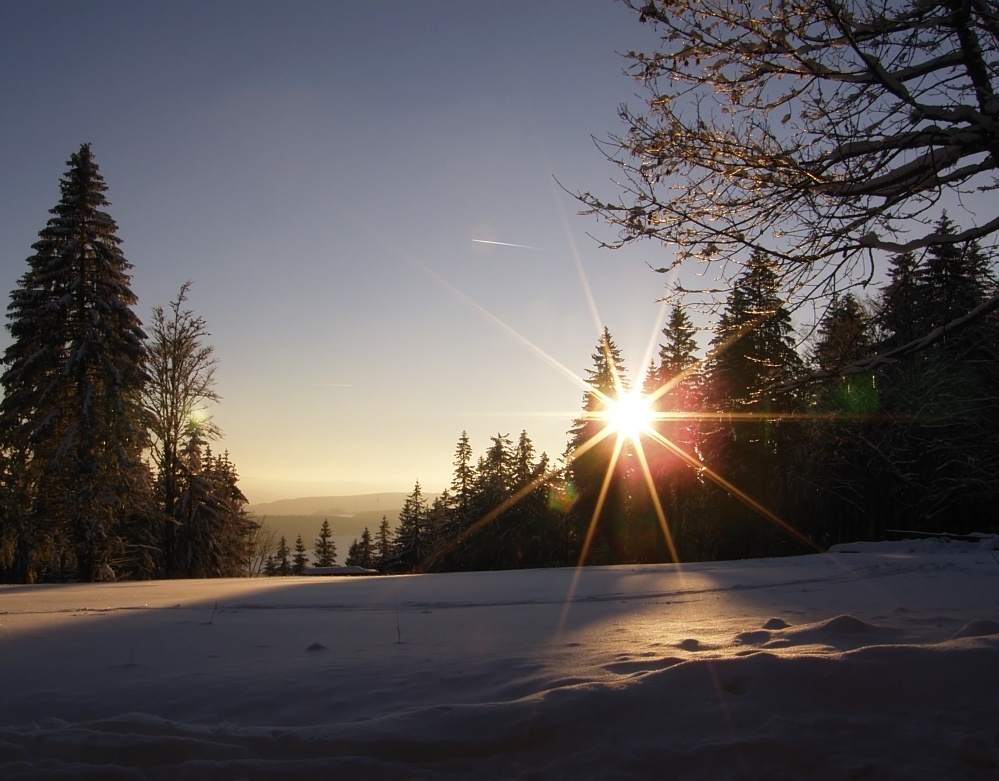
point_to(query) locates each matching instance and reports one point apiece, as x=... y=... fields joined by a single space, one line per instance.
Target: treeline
x=757 y=448
x=105 y=465
x=285 y=561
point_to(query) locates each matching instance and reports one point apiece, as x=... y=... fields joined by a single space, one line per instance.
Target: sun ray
x=657 y=504
x=601 y=498
x=734 y=490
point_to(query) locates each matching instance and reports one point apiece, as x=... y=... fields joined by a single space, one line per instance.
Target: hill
x=332 y=505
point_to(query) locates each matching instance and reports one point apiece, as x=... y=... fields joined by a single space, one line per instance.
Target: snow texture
x=874 y=661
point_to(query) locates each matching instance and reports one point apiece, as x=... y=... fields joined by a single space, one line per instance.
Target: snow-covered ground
x=875 y=661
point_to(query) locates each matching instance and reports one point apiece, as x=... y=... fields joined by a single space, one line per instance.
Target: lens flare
x=633 y=419
x=630 y=415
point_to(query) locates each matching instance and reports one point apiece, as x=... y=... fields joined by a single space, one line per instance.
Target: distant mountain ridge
x=341 y=506
x=348 y=516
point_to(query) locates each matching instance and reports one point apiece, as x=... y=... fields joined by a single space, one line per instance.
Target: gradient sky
x=321 y=171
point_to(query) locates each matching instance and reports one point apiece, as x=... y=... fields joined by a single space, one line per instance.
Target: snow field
x=873 y=661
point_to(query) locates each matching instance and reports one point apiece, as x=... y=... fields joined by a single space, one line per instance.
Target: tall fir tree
x=454 y=509
x=840 y=484
x=410 y=544
x=676 y=389
x=752 y=355
x=495 y=474
x=361 y=553
x=282 y=558
x=936 y=444
x=463 y=483
x=600 y=515
x=71 y=423
x=301 y=559
x=382 y=548
x=753 y=351
x=958 y=277
x=325 y=547
x=844 y=335
x=537 y=536
x=678 y=351
x=494 y=544
x=903 y=310
x=211 y=534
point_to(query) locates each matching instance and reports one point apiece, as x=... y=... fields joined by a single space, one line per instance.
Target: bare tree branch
x=819 y=131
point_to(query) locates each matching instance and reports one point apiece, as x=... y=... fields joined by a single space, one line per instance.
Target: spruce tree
x=300 y=559
x=282 y=557
x=753 y=347
x=678 y=352
x=462 y=485
x=495 y=475
x=71 y=418
x=590 y=458
x=753 y=353
x=844 y=335
x=325 y=548
x=936 y=445
x=360 y=552
x=454 y=509
x=353 y=553
x=839 y=478
x=366 y=549
x=536 y=539
x=383 y=543
x=410 y=544
x=958 y=277
x=902 y=311
x=211 y=534
x=489 y=547
x=676 y=389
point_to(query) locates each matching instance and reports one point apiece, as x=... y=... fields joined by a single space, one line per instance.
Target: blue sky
x=321 y=171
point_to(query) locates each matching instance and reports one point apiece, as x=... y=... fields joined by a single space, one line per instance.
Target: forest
x=753 y=446
x=753 y=449
x=795 y=151
x=106 y=466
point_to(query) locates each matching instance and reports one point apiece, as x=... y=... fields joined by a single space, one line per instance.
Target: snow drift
x=873 y=661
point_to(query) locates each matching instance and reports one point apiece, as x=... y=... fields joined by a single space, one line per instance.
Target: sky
x=329 y=175
x=876 y=660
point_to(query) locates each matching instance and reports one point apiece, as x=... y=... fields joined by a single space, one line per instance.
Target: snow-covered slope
x=873 y=661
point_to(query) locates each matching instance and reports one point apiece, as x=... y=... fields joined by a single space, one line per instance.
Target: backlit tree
x=325 y=547
x=591 y=462
x=71 y=422
x=181 y=367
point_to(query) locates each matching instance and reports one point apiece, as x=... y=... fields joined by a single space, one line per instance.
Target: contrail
x=502 y=243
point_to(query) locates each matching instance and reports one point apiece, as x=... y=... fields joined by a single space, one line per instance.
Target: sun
x=199 y=416
x=630 y=415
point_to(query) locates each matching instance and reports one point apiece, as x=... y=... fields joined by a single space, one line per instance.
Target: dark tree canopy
x=820 y=131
